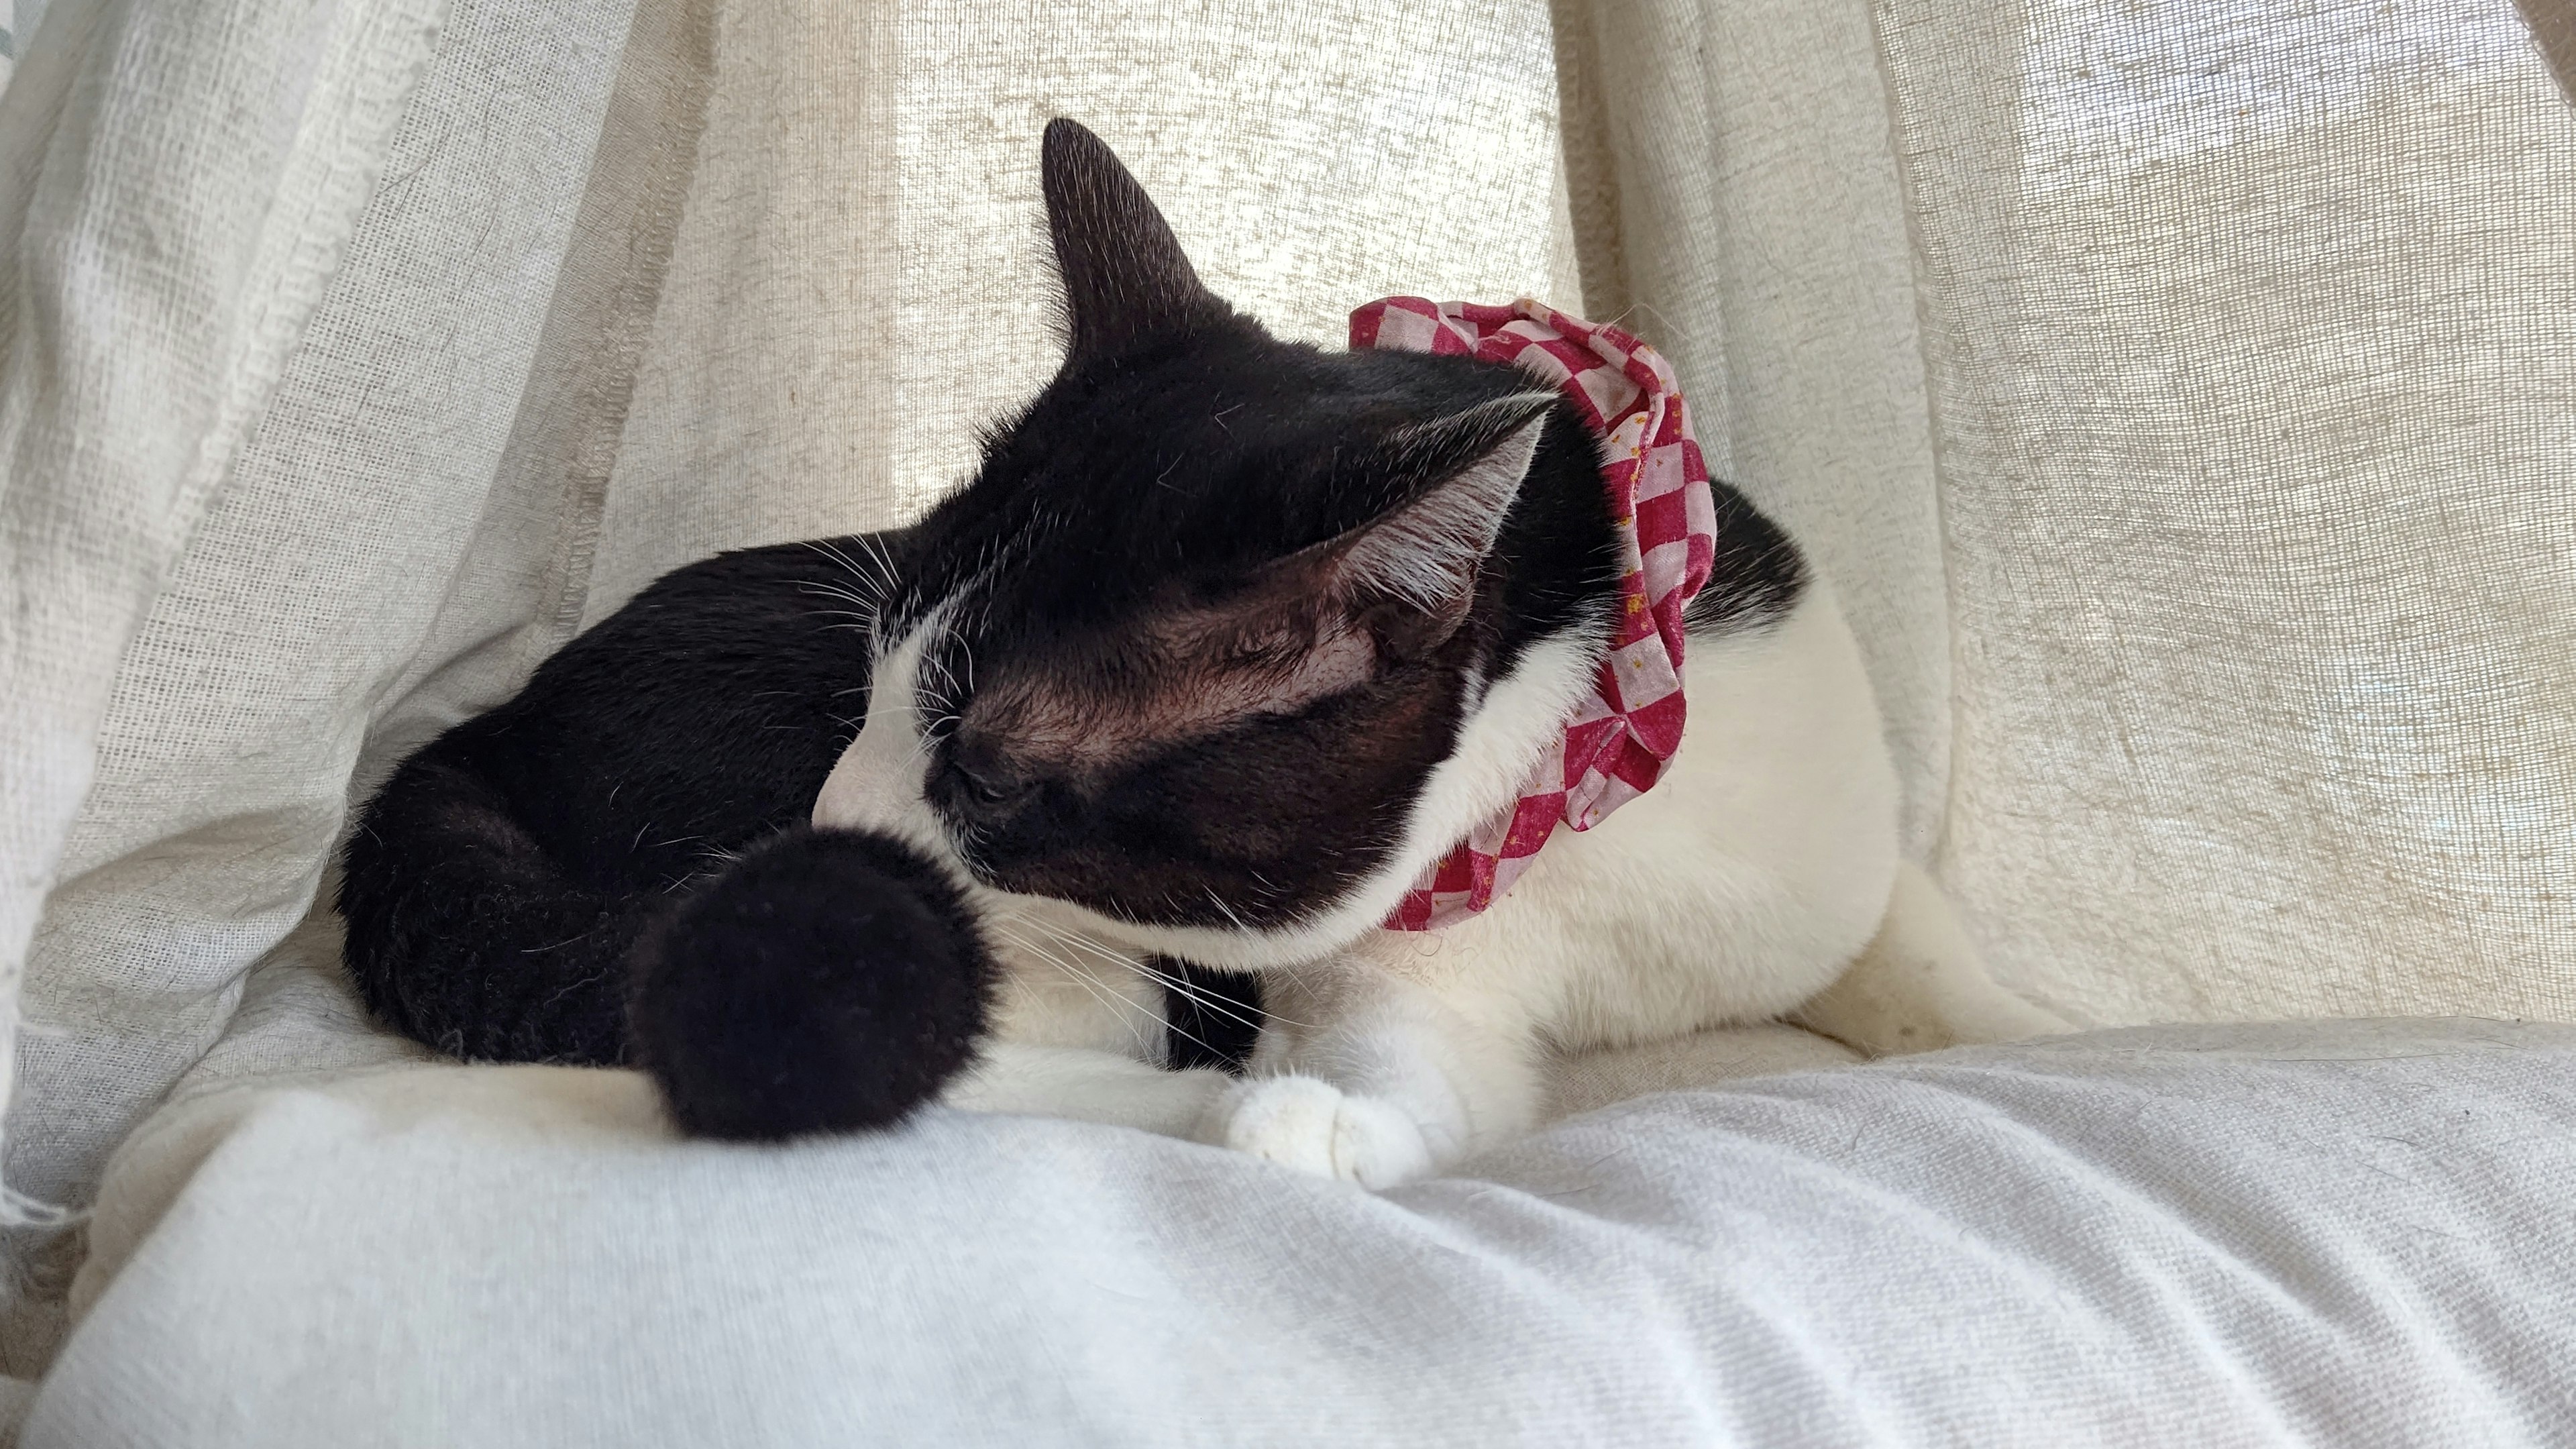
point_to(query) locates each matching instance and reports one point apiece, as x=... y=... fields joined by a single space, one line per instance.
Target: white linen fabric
x=367 y=557
x=136 y=362
x=2086 y=1242
x=2250 y=335
x=2176 y=396
x=177 y=186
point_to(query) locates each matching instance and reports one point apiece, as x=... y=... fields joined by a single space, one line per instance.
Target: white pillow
x=2348 y=1233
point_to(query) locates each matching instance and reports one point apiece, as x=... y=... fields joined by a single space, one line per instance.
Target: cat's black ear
x=1409 y=575
x=1126 y=281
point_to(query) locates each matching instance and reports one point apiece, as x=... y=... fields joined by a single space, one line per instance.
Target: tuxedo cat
x=1227 y=640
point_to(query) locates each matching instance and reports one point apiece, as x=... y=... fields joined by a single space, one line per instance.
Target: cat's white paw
x=1313 y=1126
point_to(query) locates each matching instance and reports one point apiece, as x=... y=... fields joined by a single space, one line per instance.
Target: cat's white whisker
x=1120 y=1006
x=1060 y=962
x=1226 y=910
x=835 y=591
x=1206 y=1002
x=880 y=581
x=877 y=551
x=1145 y=966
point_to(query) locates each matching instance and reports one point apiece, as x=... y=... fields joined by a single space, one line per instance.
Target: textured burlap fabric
x=2178 y=397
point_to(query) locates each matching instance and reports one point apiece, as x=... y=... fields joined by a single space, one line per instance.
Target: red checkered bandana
x=1615 y=744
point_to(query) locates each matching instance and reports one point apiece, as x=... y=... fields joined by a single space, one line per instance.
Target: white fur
x=1761 y=868
x=877 y=782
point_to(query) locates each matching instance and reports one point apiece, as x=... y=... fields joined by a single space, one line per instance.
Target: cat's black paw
x=829 y=981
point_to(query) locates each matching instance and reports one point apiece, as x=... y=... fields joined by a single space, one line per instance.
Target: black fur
x=1277 y=815
x=830 y=981
x=1176 y=460
x=1215 y=1016
x=494 y=887
x=498 y=886
x=1758 y=573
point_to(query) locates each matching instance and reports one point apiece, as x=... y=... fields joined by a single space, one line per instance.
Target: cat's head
x=1229 y=637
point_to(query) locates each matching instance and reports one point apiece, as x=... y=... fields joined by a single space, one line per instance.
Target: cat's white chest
x=1733 y=890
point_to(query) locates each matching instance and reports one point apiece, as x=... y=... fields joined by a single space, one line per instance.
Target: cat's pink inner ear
x=1409 y=577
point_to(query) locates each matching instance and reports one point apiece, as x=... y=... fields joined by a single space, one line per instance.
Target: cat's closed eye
x=985 y=780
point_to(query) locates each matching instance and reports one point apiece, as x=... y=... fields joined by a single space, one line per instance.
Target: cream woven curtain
x=2252 y=334
x=2179 y=397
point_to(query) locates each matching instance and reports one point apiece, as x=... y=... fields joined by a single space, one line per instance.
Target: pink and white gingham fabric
x=1615 y=744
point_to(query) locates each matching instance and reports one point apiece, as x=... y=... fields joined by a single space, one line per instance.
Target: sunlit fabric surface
x=2251 y=334
x=2177 y=395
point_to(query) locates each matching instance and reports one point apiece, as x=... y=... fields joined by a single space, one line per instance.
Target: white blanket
x=2347 y=1234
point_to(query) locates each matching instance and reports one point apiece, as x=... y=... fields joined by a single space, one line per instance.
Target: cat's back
x=703 y=712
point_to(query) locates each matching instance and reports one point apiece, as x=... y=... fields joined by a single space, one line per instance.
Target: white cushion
x=2348 y=1233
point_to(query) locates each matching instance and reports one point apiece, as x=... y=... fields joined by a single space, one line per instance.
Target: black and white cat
x=1225 y=642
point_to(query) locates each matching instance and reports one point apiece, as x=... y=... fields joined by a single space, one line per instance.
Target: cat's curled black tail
x=822 y=981
x=830 y=980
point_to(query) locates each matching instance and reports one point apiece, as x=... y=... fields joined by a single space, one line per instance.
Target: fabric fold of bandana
x=1615 y=744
